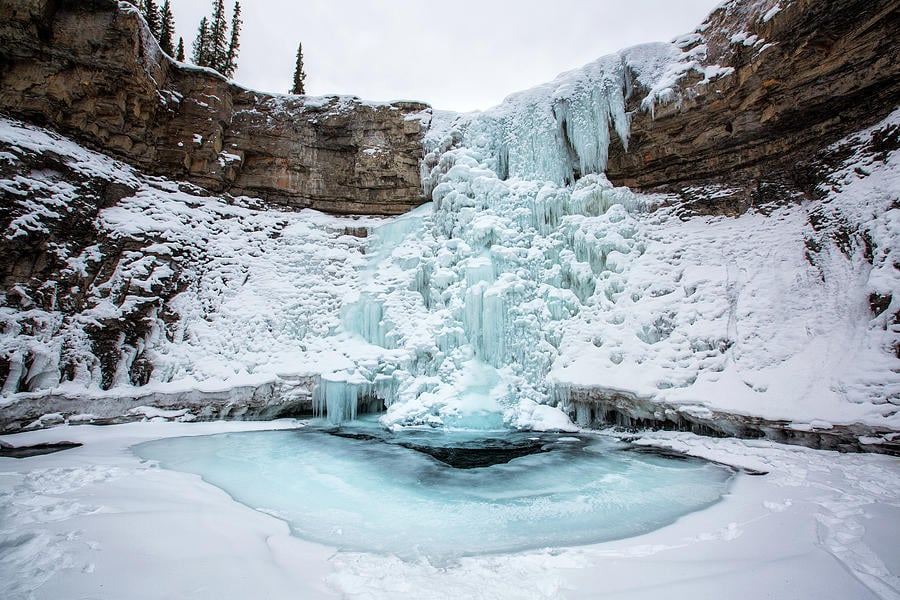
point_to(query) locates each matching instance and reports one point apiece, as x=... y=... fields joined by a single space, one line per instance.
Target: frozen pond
x=444 y=494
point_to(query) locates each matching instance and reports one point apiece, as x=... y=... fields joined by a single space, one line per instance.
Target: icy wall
x=524 y=231
x=562 y=130
x=533 y=281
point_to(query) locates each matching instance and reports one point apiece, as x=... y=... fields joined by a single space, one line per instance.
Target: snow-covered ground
x=96 y=522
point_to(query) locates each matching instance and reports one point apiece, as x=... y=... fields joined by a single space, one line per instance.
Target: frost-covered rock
x=121 y=290
x=759 y=88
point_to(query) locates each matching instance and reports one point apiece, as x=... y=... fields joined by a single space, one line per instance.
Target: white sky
x=456 y=55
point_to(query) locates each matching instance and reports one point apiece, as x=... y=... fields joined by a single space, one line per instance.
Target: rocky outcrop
x=90 y=69
x=792 y=77
x=594 y=407
x=273 y=400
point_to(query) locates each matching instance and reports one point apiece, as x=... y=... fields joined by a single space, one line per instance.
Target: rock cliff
x=89 y=68
x=791 y=78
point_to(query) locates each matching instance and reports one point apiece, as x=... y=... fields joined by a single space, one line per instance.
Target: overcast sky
x=456 y=54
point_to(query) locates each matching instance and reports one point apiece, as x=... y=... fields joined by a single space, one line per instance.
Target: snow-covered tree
x=180 y=52
x=299 y=74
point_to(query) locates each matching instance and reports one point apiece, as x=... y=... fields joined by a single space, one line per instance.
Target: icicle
x=365 y=317
x=339 y=396
x=493 y=340
x=478 y=270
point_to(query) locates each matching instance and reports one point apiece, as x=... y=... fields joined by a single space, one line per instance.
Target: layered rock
x=92 y=70
x=791 y=78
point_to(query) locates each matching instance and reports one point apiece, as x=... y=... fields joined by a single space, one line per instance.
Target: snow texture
x=98 y=522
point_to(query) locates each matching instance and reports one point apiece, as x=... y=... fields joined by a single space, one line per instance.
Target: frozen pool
x=444 y=494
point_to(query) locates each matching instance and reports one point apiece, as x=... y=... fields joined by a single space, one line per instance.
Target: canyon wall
x=90 y=69
x=792 y=78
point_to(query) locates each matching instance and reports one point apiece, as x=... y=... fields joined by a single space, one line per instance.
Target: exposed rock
x=92 y=70
x=597 y=408
x=36 y=449
x=268 y=401
x=793 y=77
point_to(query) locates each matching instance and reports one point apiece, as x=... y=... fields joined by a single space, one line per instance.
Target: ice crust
x=385 y=497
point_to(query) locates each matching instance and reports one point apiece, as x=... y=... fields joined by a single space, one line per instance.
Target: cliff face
x=792 y=78
x=90 y=69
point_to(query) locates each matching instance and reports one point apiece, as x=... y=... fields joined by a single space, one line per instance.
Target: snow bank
x=97 y=522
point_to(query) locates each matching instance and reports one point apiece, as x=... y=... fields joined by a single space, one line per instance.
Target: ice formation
x=527 y=276
x=531 y=274
x=384 y=494
x=459 y=308
x=524 y=232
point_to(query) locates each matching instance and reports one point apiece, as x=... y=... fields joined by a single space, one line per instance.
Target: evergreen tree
x=210 y=47
x=180 y=56
x=218 y=30
x=299 y=75
x=234 y=44
x=151 y=15
x=167 y=29
x=201 y=45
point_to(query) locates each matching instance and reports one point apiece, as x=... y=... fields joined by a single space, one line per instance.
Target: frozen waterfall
x=524 y=231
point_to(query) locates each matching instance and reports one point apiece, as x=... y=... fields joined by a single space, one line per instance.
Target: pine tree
x=201 y=45
x=299 y=75
x=151 y=15
x=218 y=30
x=210 y=47
x=166 y=29
x=180 y=56
x=234 y=45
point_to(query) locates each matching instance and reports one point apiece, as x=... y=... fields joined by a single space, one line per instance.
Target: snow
x=95 y=521
x=478 y=311
x=528 y=276
x=483 y=308
x=771 y=13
